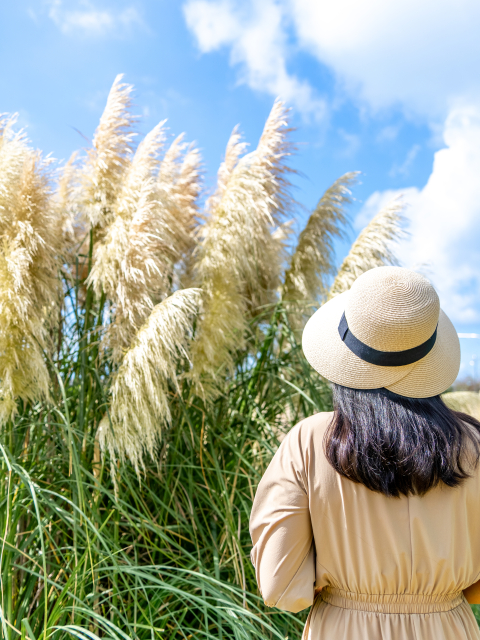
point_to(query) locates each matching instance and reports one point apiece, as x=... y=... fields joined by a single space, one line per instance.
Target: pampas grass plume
x=31 y=240
x=372 y=248
x=312 y=263
x=150 y=230
x=109 y=155
x=139 y=407
x=178 y=188
x=239 y=257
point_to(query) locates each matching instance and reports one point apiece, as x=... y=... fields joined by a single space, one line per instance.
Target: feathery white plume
x=372 y=248
x=312 y=263
x=139 y=407
x=30 y=241
x=239 y=258
x=110 y=154
x=178 y=188
x=149 y=231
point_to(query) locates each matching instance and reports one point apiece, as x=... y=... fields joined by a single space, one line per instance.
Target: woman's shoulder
x=314 y=425
x=309 y=431
x=303 y=449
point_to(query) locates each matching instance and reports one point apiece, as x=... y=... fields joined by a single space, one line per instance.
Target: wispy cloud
x=254 y=33
x=86 y=18
x=351 y=144
x=388 y=134
x=404 y=168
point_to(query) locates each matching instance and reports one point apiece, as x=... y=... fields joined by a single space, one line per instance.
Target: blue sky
x=387 y=88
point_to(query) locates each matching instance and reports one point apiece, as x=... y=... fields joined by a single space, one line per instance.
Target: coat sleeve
x=283 y=551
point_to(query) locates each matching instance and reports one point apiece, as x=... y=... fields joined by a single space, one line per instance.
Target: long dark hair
x=397 y=445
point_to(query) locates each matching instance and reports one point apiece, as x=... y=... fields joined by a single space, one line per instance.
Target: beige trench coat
x=389 y=568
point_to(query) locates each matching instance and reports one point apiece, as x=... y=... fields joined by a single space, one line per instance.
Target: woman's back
x=376 y=558
x=376 y=506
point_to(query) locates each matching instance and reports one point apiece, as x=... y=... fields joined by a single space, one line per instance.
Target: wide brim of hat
x=328 y=354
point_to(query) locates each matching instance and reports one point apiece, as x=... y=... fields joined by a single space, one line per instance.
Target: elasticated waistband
x=392 y=602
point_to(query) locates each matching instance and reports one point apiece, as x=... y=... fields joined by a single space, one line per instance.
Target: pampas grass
x=312 y=264
x=65 y=199
x=109 y=155
x=131 y=261
x=372 y=248
x=31 y=243
x=140 y=403
x=137 y=355
x=149 y=215
x=239 y=257
x=178 y=189
x=236 y=147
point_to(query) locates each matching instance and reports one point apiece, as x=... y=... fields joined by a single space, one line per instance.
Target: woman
x=372 y=513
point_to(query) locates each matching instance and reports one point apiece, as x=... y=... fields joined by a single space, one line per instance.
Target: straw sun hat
x=387 y=331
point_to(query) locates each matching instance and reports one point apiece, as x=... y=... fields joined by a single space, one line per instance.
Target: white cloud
x=422 y=55
x=214 y=23
x=257 y=40
x=85 y=18
x=419 y=55
x=445 y=234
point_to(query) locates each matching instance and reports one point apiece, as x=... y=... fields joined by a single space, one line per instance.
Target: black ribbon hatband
x=383 y=358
